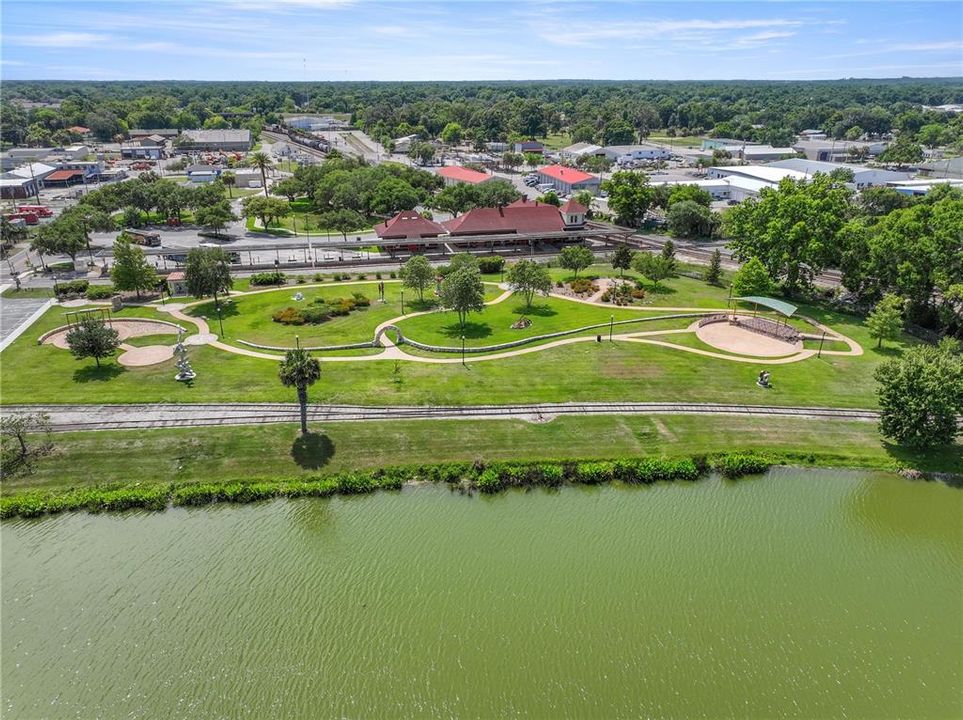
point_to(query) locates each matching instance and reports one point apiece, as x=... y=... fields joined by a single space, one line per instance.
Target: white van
x=544 y=187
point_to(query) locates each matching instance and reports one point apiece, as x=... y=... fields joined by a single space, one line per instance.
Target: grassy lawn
x=582 y=371
x=250 y=318
x=680 y=140
x=247 y=452
x=493 y=324
x=556 y=141
x=27 y=293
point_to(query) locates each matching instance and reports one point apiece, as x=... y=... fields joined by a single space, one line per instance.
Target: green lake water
x=802 y=594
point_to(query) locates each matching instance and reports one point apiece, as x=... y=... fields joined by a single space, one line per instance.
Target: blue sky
x=464 y=40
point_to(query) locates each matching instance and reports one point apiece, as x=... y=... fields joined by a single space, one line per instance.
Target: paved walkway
x=119 y=417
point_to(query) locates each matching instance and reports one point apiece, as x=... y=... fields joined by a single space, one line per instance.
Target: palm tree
x=299 y=370
x=262 y=162
x=230 y=180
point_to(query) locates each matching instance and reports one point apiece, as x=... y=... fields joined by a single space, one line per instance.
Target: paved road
x=119 y=417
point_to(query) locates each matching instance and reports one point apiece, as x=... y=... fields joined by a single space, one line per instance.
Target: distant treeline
x=598 y=111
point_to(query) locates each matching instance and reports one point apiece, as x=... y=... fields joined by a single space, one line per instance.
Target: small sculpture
x=183 y=363
x=763 y=380
x=299 y=296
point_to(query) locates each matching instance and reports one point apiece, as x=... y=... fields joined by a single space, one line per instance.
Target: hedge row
x=484 y=477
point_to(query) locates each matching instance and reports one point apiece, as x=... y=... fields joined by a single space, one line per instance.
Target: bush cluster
x=99 y=292
x=320 y=310
x=735 y=465
x=71 y=288
x=622 y=294
x=491 y=265
x=580 y=286
x=478 y=475
x=272 y=277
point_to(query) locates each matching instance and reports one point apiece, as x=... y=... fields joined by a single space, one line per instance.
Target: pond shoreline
x=464 y=477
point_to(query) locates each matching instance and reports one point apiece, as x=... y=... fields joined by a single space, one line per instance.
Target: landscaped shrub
x=392 y=274
x=318 y=277
x=377 y=276
x=734 y=465
x=580 y=286
x=71 y=288
x=592 y=473
x=606 y=296
x=491 y=265
x=273 y=277
x=362 y=276
x=315 y=314
x=489 y=481
x=99 y=292
x=638 y=293
x=289 y=316
x=301 y=280
x=360 y=300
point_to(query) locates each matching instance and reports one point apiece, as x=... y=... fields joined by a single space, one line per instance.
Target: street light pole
x=402 y=301
x=463 y=350
x=611 y=326
x=219 y=321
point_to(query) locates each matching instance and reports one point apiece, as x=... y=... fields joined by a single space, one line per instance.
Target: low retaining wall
x=108 y=322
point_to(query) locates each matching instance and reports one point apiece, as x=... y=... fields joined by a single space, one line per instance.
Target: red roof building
x=568 y=180
x=78 y=130
x=456 y=174
x=573 y=214
x=408 y=225
x=519 y=217
x=573 y=207
x=65 y=176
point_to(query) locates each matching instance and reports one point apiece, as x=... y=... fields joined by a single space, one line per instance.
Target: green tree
x=921 y=396
x=886 y=320
x=262 y=162
x=418 y=273
x=654 y=267
x=230 y=180
x=713 y=273
x=11 y=234
x=89 y=219
x=343 y=221
x=792 y=229
x=207 y=271
x=689 y=219
x=902 y=152
x=533 y=160
x=131 y=271
x=463 y=292
x=456 y=199
x=61 y=237
x=452 y=133
x=92 y=338
x=215 y=217
x=512 y=160
x=752 y=279
x=299 y=370
x=622 y=258
x=20 y=443
x=550 y=198
x=496 y=193
x=267 y=209
x=289 y=188
x=528 y=277
x=629 y=196
x=693 y=193
x=576 y=258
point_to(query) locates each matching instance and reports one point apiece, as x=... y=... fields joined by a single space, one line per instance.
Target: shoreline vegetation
x=464 y=477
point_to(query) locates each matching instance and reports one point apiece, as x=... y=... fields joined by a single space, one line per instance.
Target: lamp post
x=219 y=321
x=402 y=301
x=463 y=350
x=277 y=270
x=611 y=326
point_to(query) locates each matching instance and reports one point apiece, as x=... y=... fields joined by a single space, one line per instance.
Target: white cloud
x=652 y=29
x=930 y=46
x=61 y=39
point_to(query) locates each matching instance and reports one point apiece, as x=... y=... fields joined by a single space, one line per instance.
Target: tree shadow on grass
x=660 y=289
x=943 y=459
x=886 y=351
x=471 y=330
x=312 y=451
x=536 y=310
x=209 y=310
x=92 y=373
x=421 y=305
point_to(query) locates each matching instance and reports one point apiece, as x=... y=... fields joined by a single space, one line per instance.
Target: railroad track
x=66 y=418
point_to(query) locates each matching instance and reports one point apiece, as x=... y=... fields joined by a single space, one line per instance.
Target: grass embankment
x=246 y=463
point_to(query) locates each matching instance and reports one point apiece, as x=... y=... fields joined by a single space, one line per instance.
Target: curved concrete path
x=394 y=352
